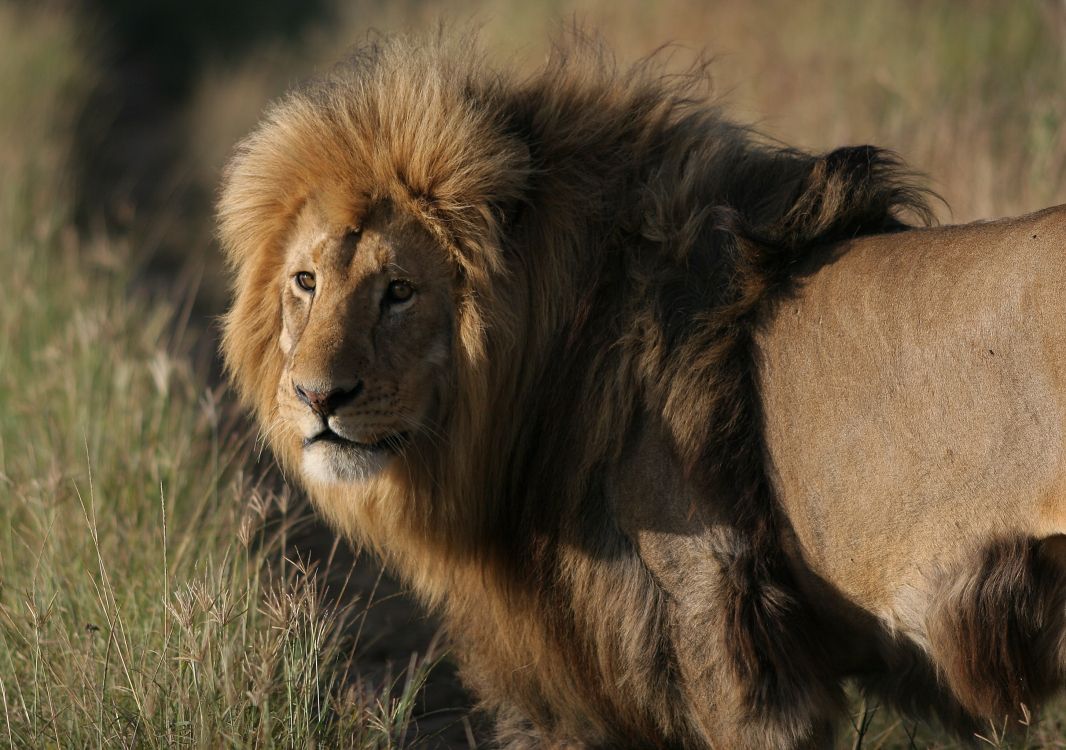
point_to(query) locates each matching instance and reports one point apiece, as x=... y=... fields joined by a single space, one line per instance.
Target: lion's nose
x=324 y=403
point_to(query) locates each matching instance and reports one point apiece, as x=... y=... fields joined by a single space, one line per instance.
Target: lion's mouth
x=391 y=443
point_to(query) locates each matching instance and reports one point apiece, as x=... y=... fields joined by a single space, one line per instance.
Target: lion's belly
x=913 y=393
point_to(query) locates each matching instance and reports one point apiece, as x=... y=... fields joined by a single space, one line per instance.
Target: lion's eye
x=399 y=291
x=305 y=280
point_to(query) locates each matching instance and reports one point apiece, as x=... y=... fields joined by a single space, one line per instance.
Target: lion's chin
x=332 y=464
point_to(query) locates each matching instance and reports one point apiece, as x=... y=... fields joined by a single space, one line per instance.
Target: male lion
x=580 y=359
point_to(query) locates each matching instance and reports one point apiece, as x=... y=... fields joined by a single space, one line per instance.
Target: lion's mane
x=618 y=241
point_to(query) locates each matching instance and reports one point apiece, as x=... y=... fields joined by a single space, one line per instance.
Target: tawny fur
x=594 y=513
x=914 y=423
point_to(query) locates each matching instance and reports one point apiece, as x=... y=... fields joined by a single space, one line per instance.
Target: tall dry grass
x=138 y=602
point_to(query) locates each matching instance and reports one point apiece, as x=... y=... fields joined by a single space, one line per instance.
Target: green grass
x=142 y=598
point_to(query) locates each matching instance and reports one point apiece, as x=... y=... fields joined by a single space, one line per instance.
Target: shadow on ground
x=388 y=628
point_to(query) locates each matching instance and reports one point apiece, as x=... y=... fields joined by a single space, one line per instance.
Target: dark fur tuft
x=996 y=631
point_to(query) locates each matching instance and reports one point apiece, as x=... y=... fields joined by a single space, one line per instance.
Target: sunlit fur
x=385 y=360
x=613 y=241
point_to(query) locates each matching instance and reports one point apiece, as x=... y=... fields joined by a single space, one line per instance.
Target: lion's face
x=367 y=318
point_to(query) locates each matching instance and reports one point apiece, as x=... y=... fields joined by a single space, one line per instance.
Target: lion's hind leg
x=996 y=629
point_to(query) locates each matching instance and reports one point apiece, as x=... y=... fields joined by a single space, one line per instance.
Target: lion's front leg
x=745 y=647
x=733 y=705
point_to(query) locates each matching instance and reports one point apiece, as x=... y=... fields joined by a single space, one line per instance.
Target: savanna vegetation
x=157 y=582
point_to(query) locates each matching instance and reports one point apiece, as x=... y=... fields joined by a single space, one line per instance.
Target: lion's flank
x=618 y=241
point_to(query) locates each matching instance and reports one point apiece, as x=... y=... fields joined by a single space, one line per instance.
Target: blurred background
x=970 y=92
x=158 y=585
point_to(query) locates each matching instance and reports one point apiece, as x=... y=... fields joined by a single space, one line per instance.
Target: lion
x=680 y=430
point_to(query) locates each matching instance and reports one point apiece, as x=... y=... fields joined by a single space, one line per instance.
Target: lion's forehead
x=361 y=241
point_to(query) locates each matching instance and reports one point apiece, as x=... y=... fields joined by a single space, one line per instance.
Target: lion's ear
x=510 y=206
x=489 y=206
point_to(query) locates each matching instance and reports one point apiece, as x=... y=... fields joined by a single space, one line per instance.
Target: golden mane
x=618 y=242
